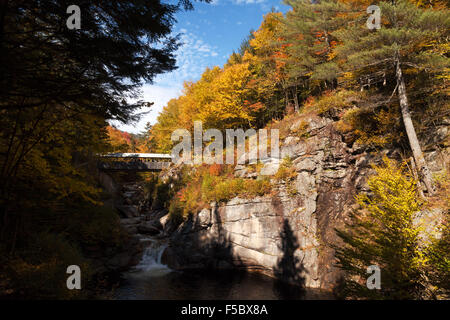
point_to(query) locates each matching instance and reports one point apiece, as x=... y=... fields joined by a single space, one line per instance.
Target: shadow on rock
x=201 y=243
x=289 y=282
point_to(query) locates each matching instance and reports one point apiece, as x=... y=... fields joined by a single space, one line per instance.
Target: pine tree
x=308 y=42
x=406 y=40
x=48 y=73
x=58 y=86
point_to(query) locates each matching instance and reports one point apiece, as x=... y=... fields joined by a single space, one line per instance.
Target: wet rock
x=169 y=258
x=131 y=229
x=164 y=220
x=119 y=261
x=224 y=265
x=148 y=228
x=130 y=221
x=128 y=211
x=115 y=258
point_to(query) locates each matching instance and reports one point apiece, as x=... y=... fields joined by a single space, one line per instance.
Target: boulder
x=130 y=221
x=304 y=164
x=164 y=220
x=270 y=168
x=148 y=228
x=203 y=218
x=128 y=211
x=119 y=261
x=291 y=139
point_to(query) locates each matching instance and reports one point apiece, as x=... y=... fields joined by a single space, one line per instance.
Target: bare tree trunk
x=416 y=177
x=297 y=106
x=410 y=131
x=286 y=98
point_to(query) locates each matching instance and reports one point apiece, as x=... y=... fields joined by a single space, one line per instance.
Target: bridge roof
x=138 y=155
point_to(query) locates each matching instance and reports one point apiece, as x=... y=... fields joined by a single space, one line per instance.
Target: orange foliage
x=215 y=169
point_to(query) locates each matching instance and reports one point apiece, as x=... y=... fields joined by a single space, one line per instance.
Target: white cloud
x=193 y=57
x=248 y=1
x=264 y=5
x=158 y=94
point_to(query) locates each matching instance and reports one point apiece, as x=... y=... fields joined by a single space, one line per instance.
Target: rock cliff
x=287 y=235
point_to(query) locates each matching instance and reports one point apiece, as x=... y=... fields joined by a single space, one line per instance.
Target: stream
x=152 y=280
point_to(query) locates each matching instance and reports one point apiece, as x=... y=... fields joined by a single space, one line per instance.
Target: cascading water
x=150 y=264
x=151 y=279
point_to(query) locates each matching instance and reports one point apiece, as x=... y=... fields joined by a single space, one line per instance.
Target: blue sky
x=210 y=33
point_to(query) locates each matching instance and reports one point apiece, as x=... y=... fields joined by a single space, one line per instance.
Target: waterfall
x=150 y=264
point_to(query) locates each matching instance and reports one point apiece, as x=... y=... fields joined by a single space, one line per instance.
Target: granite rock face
x=289 y=235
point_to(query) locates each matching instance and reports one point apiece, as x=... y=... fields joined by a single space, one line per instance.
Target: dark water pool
x=217 y=285
x=152 y=280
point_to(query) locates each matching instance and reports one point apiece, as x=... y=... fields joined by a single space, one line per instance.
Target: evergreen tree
x=307 y=39
x=50 y=73
x=58 y=86
x=408 y=39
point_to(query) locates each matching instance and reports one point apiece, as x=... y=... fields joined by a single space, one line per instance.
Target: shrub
x=39 y=272
x=258 y=187
x=215 y=169
x=333 y=102
x=95 y=226
x=176 y=212
x=256 y=167
x=301 y=130
x=438 y=267
x=192 y=199
x=382 y=233
x=371 y=128
x=286 y=172
x=162 y=195
x=208 y=186
x=209 y=183
x=291 y=190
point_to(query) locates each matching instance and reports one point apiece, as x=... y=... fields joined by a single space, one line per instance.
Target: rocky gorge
x=289 y=234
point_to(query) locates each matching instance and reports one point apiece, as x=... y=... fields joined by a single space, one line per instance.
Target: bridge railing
x=134 y=161
x=137 y=156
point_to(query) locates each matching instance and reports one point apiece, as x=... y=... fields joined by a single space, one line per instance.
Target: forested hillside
x=121 y=141
x=322 y=58
x=383 y=88
x=373 y=89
